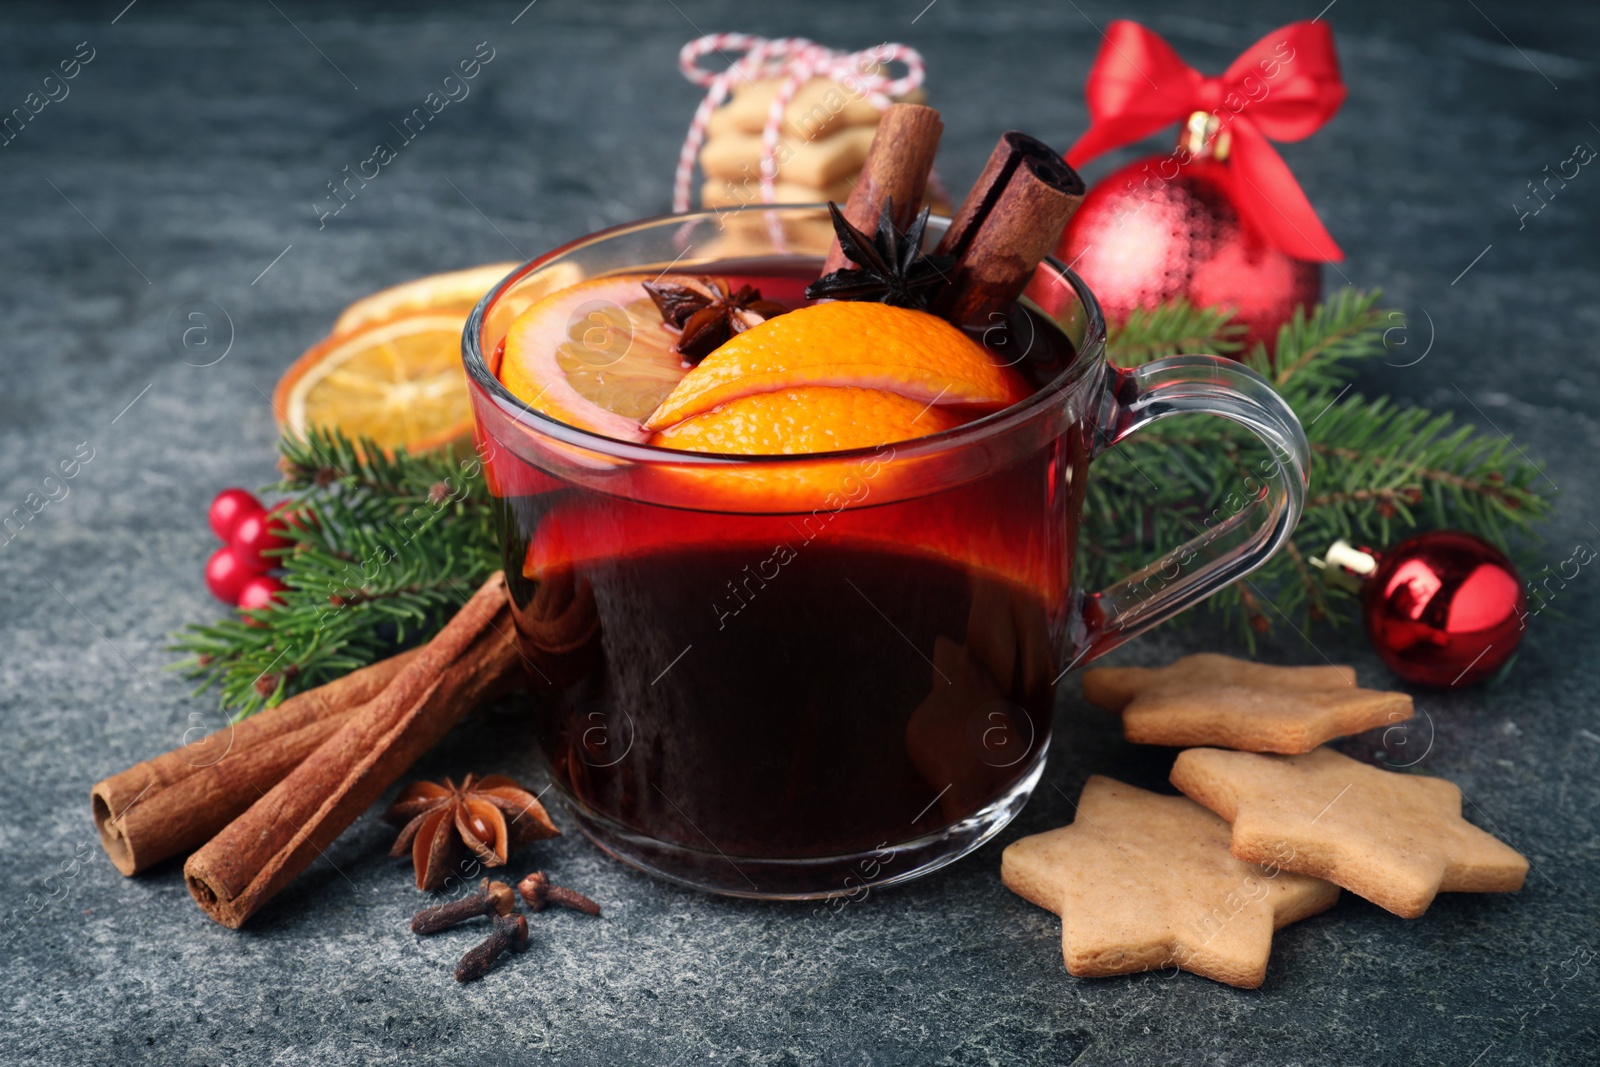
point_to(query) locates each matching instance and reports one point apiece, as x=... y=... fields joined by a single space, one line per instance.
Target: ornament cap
x=1343 y=554
x=1204 y=138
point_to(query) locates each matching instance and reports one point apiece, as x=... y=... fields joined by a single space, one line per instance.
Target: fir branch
x=1314 y=351
x=385 y=549
x=326 y=457
x=1150 y=333
x=1379 y=471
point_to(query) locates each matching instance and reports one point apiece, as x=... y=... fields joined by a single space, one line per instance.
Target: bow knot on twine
x=795 y=61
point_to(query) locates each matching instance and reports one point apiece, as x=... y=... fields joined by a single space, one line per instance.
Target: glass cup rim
x=1090 y=354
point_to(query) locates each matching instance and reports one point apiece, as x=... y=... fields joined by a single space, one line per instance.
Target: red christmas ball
x=226 y=575
x=1444 y=609
x=229 y=508
x=257 y=534
x=261 y=591
x=1141 y=239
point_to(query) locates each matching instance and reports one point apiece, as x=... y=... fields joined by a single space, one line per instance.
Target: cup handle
x=1251 y=525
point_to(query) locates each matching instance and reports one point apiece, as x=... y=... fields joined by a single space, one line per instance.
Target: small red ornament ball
x=1142 y=241
x=1444 y=609
x=226 y=575
x=261 y=591
x=257 y=534
x=229 y=508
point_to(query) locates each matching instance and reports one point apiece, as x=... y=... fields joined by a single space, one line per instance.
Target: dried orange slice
x=457 y=291
x=594 y=355
x=872 y=346
x=811 y=418
x=399 y=382
x=403 y=385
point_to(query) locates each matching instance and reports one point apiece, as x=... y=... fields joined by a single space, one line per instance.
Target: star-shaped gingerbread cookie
x=1395 y=839
x=1208 y=699
x=1143 y=881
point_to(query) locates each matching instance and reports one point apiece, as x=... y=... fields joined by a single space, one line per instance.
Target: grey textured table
x=185 y=166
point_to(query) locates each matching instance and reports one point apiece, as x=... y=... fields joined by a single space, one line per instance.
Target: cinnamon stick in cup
x=176 y=802
x=897 y=167
x=1011 y=219
x=263 y=850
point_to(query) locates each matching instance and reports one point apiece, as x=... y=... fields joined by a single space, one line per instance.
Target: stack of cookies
x=1271 y=825
x=827 y=128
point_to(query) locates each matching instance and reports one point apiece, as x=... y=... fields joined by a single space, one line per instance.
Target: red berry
x=257 y=534
x=226 y=575
x=230 y=507
x=261 y=591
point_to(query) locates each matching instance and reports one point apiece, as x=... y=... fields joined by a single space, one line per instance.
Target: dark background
x=189 y=155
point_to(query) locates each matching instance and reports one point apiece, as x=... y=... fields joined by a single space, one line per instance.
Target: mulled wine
x=794 y=600
x=797 y=686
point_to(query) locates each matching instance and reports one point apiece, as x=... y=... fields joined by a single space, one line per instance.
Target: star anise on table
x=445 y=823
x=706 y=313
x=890 y=266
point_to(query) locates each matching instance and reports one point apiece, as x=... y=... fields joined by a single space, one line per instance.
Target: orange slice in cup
x=594 y=355
x=911 y=354
x=399 y=382
x=818 y=380
x=807 y=419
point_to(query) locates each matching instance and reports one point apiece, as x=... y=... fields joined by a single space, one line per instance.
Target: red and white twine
x=795 y=60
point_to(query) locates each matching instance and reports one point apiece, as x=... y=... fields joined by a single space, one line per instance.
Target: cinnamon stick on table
x=262 y=851
x=177 y=801
x=897 y=166
x=1011 y=219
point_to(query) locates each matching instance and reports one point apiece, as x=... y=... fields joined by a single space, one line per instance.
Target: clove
x=492 y=898
x=538 y=890
x=510 y=932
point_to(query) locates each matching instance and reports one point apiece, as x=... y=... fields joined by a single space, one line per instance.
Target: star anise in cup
x=443 y=824
x=890 y=266
x=706 y=313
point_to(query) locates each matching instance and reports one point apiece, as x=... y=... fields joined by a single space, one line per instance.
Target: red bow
x=1283 y=87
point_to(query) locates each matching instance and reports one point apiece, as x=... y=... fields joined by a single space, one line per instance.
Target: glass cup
x=803 y=676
